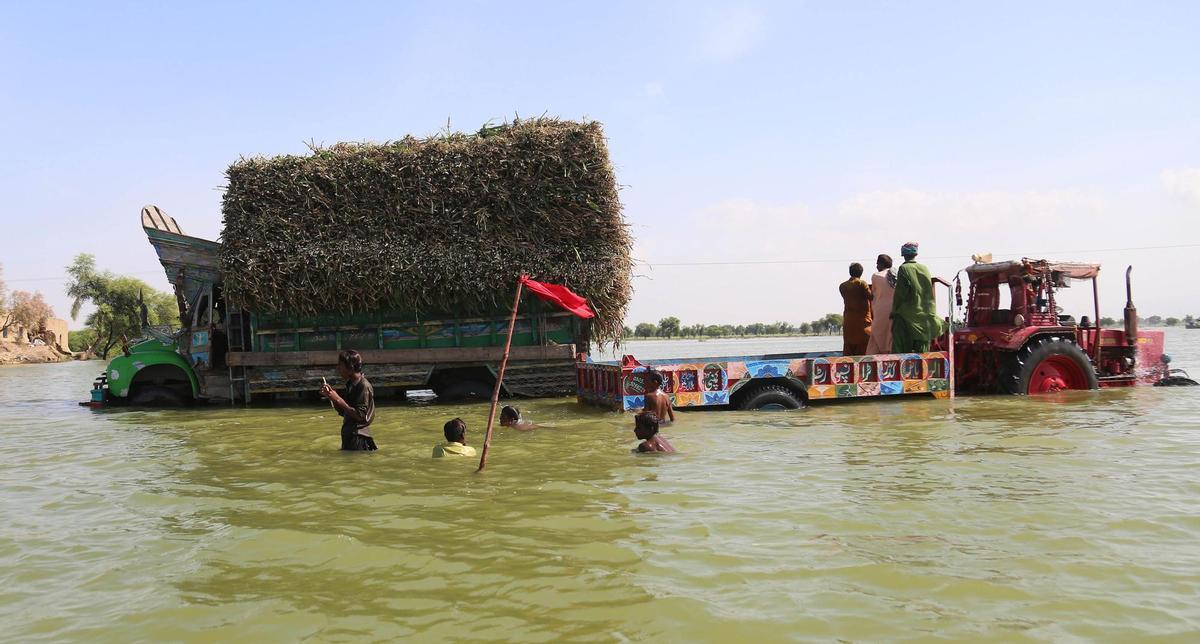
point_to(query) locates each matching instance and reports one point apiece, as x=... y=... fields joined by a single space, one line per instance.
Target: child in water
x=657 y=402
x=511 y=417
x=645 y=427
x=456 y=440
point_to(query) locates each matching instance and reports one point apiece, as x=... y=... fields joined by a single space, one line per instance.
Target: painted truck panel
x=712 y=382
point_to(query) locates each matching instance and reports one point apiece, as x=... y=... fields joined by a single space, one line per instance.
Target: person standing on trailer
x=356 y=406
x=883 y=288
x=856 y=316
x=915 y=322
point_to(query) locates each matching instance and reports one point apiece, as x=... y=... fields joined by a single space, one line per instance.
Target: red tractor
x=1017 y=341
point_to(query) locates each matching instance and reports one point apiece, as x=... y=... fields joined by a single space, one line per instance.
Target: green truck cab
x=225 y=353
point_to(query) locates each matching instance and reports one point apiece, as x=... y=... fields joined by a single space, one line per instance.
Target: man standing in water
x=356 y=406
x=915 y=321
x=883 y=287
x=856 y=317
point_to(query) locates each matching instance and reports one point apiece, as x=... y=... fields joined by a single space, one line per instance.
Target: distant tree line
x=1153 y=320
x=671 y=327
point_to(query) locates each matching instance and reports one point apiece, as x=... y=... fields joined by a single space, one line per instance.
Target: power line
x=764 y=262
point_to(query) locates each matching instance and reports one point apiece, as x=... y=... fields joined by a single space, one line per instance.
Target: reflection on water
x=1071 y=516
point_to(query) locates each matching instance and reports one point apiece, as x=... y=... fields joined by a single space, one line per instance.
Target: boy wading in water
x=657 y=402
x=455 y=432
x=356 y=406
x=645 y=427
x=511 y=417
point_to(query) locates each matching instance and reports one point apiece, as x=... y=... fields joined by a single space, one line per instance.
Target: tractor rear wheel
x=1047 y=365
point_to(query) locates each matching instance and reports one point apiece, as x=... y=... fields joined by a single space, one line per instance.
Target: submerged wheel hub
x=1056 y=373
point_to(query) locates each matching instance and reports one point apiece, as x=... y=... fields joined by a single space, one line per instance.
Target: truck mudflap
x=713 y=382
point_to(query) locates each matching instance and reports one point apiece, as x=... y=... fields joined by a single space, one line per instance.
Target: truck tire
x=157 y=396
x=1047 y=365
x=770 y=398
x=464 y=390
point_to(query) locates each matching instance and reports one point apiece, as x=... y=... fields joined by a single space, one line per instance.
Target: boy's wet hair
x=654 y=377
x=455 y=430
x=510 y=413
x=351 y=359
x=646 y=421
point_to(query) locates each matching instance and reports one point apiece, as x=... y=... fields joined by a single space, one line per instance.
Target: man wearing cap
x=915 y=321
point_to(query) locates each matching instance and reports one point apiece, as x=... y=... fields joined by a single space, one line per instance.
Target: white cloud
x=692 y=273
x=1183 y=184
x=729 y=33
x=967 y=211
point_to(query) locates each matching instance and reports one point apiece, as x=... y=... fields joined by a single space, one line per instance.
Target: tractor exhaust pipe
x=1131 y=316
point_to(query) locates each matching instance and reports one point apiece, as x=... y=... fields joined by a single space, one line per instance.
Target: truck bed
x=717 y=381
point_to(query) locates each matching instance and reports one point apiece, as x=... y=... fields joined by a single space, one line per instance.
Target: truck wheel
x=1048 y=365
x=157 y=396
x=464 y=390
x=771 y=398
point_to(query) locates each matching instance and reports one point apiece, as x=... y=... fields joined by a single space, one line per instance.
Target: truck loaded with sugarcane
x=404 y=251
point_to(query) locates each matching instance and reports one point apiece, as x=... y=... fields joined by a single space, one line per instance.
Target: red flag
x=561 y=296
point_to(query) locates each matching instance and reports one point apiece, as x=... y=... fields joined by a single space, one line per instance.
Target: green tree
x=1171 y=321
x=81 y=340
x=626 y=331
x=1154 y=320
x=117 y=301
x=668 y=327
x=644 y=330
x=1107 y=322
x=805 y=328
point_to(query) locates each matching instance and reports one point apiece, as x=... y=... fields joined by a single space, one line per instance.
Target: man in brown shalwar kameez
x=856 y=318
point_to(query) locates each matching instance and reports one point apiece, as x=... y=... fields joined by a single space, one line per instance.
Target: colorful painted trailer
x=781 y=381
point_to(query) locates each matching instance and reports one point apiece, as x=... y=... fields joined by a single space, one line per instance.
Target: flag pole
x=512 y=322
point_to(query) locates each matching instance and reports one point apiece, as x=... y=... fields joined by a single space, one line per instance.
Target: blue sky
x=756 y=131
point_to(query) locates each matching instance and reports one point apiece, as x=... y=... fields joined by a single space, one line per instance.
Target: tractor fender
x=1020 y=338
x=122 y=370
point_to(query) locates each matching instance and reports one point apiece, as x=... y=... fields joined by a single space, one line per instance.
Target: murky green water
x=1074 y=517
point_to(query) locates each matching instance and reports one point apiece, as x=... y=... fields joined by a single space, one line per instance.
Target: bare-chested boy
x=657 y=402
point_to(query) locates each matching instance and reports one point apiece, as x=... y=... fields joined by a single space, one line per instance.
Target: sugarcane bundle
x=434 y=226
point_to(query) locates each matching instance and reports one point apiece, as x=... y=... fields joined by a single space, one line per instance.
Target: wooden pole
x=512 y=322
x=950 y=344
x=1096 y=322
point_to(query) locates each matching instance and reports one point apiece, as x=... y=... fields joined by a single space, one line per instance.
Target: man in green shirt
x=915 y=320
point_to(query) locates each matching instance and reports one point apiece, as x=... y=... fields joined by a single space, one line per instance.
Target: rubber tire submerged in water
x=1046 y=365
x=157 y=396
x=770 y=397
x=464 y=390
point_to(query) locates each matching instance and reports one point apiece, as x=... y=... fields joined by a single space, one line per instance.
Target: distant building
x=56 y=334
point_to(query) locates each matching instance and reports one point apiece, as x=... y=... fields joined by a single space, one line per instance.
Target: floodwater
x=1072 y=517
